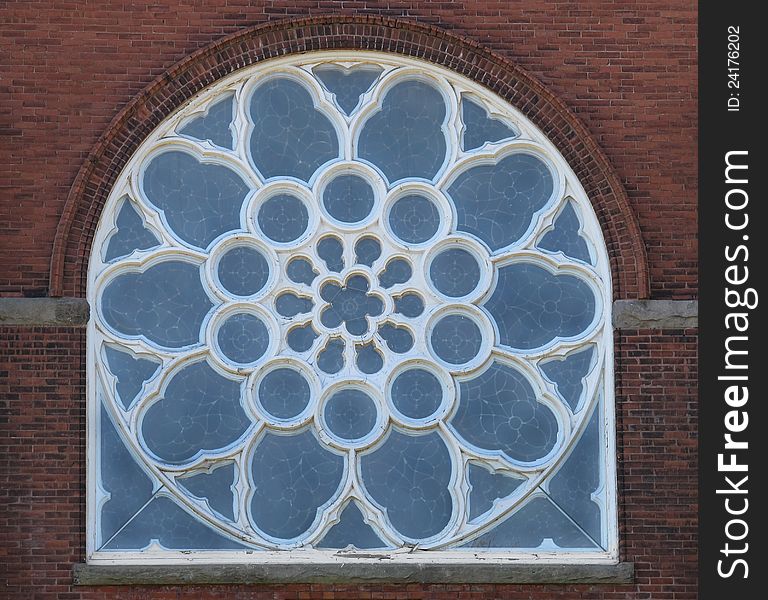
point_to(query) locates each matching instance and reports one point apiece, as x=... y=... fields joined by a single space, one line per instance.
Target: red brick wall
x=626 y=69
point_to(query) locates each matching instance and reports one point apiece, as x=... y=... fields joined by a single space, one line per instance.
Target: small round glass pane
x=348 y=198
x=456 y=339
x=350 y=414
x=416 y=393
x=284 y=393
x=414 y=219
x=243 y=338
x=455 y=272
x=243 y=271
x=283 y=218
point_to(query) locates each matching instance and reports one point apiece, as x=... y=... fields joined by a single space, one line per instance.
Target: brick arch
x=74 y=236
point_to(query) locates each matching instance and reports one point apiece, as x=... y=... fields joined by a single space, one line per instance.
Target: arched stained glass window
x=350 y=302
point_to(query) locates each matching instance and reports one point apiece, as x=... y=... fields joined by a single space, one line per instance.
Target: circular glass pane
x=456 y=339
x=243 y=338
x=414 y=218
x=243 y=271
x=350 y=414
x=416 y=393
x=284 y=393
x=348 y=198
x=283 y=218
x=455 y=272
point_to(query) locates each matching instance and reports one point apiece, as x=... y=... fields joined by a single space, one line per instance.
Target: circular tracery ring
x=374 y=295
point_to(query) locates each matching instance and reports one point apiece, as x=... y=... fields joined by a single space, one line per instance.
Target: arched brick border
x=72 y=245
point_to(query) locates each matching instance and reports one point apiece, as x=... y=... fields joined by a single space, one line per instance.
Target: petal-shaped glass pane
x=409 y=305
x=568 y=374
x=347 y=84
x=130 y=372
x=214 y=125
x=409 y=475
x=367 y=251
x=565 y=236
x=293 y=476
x=398 y=339
x=165 y=304
x=290 y=136
x=499 y=410
x=200 y=201
x=369 y=360
x=130 y=235
x=397 y=271
x=351 y=530
x=217 y=487
x=331 y=252
x=480 y=128
x=405 y=138
x=300 y=270
x=331 y=358
x=532 y=306
x=497 y=202
x=487 y=487
x=200 y=411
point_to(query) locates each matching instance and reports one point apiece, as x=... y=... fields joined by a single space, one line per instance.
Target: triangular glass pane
x=347 y=84
x=487 y=487
x=480 y=128
x=213 y=126
x=565 y=236
x=130 y=235
x=130 y=371
x=568 y=373
x=351 y=530
x=216 y=487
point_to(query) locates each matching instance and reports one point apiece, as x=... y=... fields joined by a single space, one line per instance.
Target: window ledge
x=90 y=574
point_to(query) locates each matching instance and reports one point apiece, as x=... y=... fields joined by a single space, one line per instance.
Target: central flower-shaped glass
x=374 y=317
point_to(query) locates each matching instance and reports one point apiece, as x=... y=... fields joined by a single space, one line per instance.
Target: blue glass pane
x=405 y=138
x=166 y=304
x=409 y=305
x=531 y=306
x=243 y=338
x=243 y=271
x=283 y=218
x=414 y=219
x=200 y=411
x=480 y=128
x=367 y=251
x=416 y=393
x=331 y=252
x=300 y=270
x=284 y=393
x=289 y=305
x=567 y=375
x=369 y=359
x=397 y=271
x=455 y=272
x=530 y=526
x=565 y=236
x=456 y=339
x=347 y=84
x=350 y=414
x=498 y=410
x=130 y=372
x=290 y=137
x=579 y=477
x=293 y=476
x=487 y=487
x=497 y=202
x=348 y=198
x=331 y=358
x=409 y=475
x=351 y=530
x=215 y=487
x=350 y=304
x=301 y=338
x=173 y=527
x=128 y=486
x=130 y=235
x=214 y=125
x=398 y=339
x=200 y=201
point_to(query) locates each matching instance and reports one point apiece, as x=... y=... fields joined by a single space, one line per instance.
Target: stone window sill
x=276 y=573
